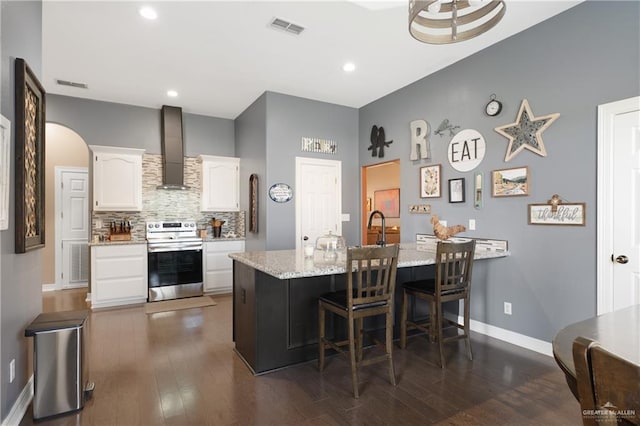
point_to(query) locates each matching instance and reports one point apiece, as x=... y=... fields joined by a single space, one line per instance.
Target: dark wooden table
x=618 y=332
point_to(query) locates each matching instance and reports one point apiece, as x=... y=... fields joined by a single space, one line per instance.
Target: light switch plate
x=472 y=224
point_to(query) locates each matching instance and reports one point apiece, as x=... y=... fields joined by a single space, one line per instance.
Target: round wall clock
x=494 y=107
x=280 y=192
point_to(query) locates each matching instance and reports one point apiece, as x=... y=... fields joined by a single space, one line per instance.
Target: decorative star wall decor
x=526 y=132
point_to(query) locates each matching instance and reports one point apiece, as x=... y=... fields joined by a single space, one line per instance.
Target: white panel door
x=318 y=198
x=619 y=205
x=74 y=228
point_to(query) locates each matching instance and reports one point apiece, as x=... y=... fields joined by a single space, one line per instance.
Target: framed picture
x=30 y=124
x=573 y=214
x=5 y=160
x=456 y=190
x=430 y=181
x=388 y=202
x=510 y=182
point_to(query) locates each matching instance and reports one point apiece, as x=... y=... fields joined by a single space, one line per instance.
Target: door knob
x=622 y=259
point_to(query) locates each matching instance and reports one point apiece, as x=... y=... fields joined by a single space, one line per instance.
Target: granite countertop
x=287 y=264
x=116 y=243
x=215 y=240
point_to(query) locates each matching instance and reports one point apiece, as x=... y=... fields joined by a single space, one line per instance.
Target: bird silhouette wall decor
x=378 y=141
x=446 y=125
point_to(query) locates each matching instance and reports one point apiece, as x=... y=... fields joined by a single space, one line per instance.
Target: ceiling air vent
x=284 y=25
x=72 y=84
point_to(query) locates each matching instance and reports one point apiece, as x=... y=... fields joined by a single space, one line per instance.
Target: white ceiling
x=220 y=56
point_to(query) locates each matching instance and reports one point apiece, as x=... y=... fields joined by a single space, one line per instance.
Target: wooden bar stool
x=371 y=279
x=608 y=385
x=454 y=263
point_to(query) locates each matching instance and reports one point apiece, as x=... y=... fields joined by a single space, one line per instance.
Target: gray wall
x=290 y=118
x=112 y=124
x=569 y=64
x=251 y=147
x=20 y=284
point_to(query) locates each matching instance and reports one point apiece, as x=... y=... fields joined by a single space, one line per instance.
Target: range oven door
x=174 y=272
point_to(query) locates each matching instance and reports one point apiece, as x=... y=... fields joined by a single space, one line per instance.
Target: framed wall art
x=5 y=161
x=431 y=181
x=388 y=202
x=510 y=182
x=253 y=203
x=29 y=145
x=456 y=190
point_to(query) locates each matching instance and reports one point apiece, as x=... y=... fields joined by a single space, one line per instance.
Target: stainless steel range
x=174 y=260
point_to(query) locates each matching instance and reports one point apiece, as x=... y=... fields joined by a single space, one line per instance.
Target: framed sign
x=466 y=150
x=510 y=182
x=573 y=214
x=29 y=157
x=456 y=190
x=280 y=192
x=388 y=202
x=430 y=181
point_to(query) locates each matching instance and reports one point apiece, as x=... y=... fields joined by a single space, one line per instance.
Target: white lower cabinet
x=218 y=266
x=118 y=275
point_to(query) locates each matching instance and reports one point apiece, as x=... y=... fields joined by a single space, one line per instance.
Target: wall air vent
x=284 y=25
x=72 y=84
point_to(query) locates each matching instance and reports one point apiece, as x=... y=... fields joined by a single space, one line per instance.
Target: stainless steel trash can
x=59 y=362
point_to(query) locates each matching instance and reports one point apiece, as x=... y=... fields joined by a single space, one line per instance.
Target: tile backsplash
x=167 y=205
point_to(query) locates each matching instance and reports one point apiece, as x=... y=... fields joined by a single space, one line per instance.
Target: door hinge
x=61 y=215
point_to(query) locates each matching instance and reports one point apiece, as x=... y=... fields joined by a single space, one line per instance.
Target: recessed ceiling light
x=349 y=67
x=148 y=13
x=172 y=93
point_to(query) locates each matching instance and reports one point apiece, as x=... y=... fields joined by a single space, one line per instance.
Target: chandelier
x=451 y=21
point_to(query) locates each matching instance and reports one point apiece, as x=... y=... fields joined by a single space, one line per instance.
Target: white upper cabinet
x=117 y=178
x=220 y=184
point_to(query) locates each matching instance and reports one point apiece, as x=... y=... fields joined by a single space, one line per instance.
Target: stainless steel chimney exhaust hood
x=172 y=149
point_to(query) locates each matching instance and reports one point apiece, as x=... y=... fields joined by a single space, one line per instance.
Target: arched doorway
x=65 y=152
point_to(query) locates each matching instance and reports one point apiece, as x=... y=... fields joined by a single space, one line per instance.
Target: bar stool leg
x=352 y=356
x=321 y=331
x=403 y=320
x=389 y=346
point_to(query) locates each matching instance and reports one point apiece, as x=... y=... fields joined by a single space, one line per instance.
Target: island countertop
x=288 y=264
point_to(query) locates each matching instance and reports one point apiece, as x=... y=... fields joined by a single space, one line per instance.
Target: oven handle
x=175 y=247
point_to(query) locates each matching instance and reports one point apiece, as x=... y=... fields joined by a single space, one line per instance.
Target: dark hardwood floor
x=179 y=368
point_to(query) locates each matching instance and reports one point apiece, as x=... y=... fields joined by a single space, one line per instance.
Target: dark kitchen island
x=275 y=300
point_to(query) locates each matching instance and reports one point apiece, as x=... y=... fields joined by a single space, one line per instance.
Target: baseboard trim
x=512 y=337
x=21 y=405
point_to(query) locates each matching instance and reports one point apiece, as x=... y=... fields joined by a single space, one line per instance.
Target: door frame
x=320 y=162
x=59 y=170
x=604 y=190
x=364 y=219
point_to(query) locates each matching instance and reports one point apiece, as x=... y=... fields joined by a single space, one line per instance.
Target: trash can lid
x=50 y=321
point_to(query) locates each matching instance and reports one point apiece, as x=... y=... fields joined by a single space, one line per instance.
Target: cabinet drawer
x=225 y=246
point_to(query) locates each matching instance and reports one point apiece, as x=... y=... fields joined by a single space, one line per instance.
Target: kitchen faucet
x=382 y=241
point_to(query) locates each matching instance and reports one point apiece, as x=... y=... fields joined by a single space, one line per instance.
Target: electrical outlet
x=507 y=308
x=12 y=370
x=472 y=224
